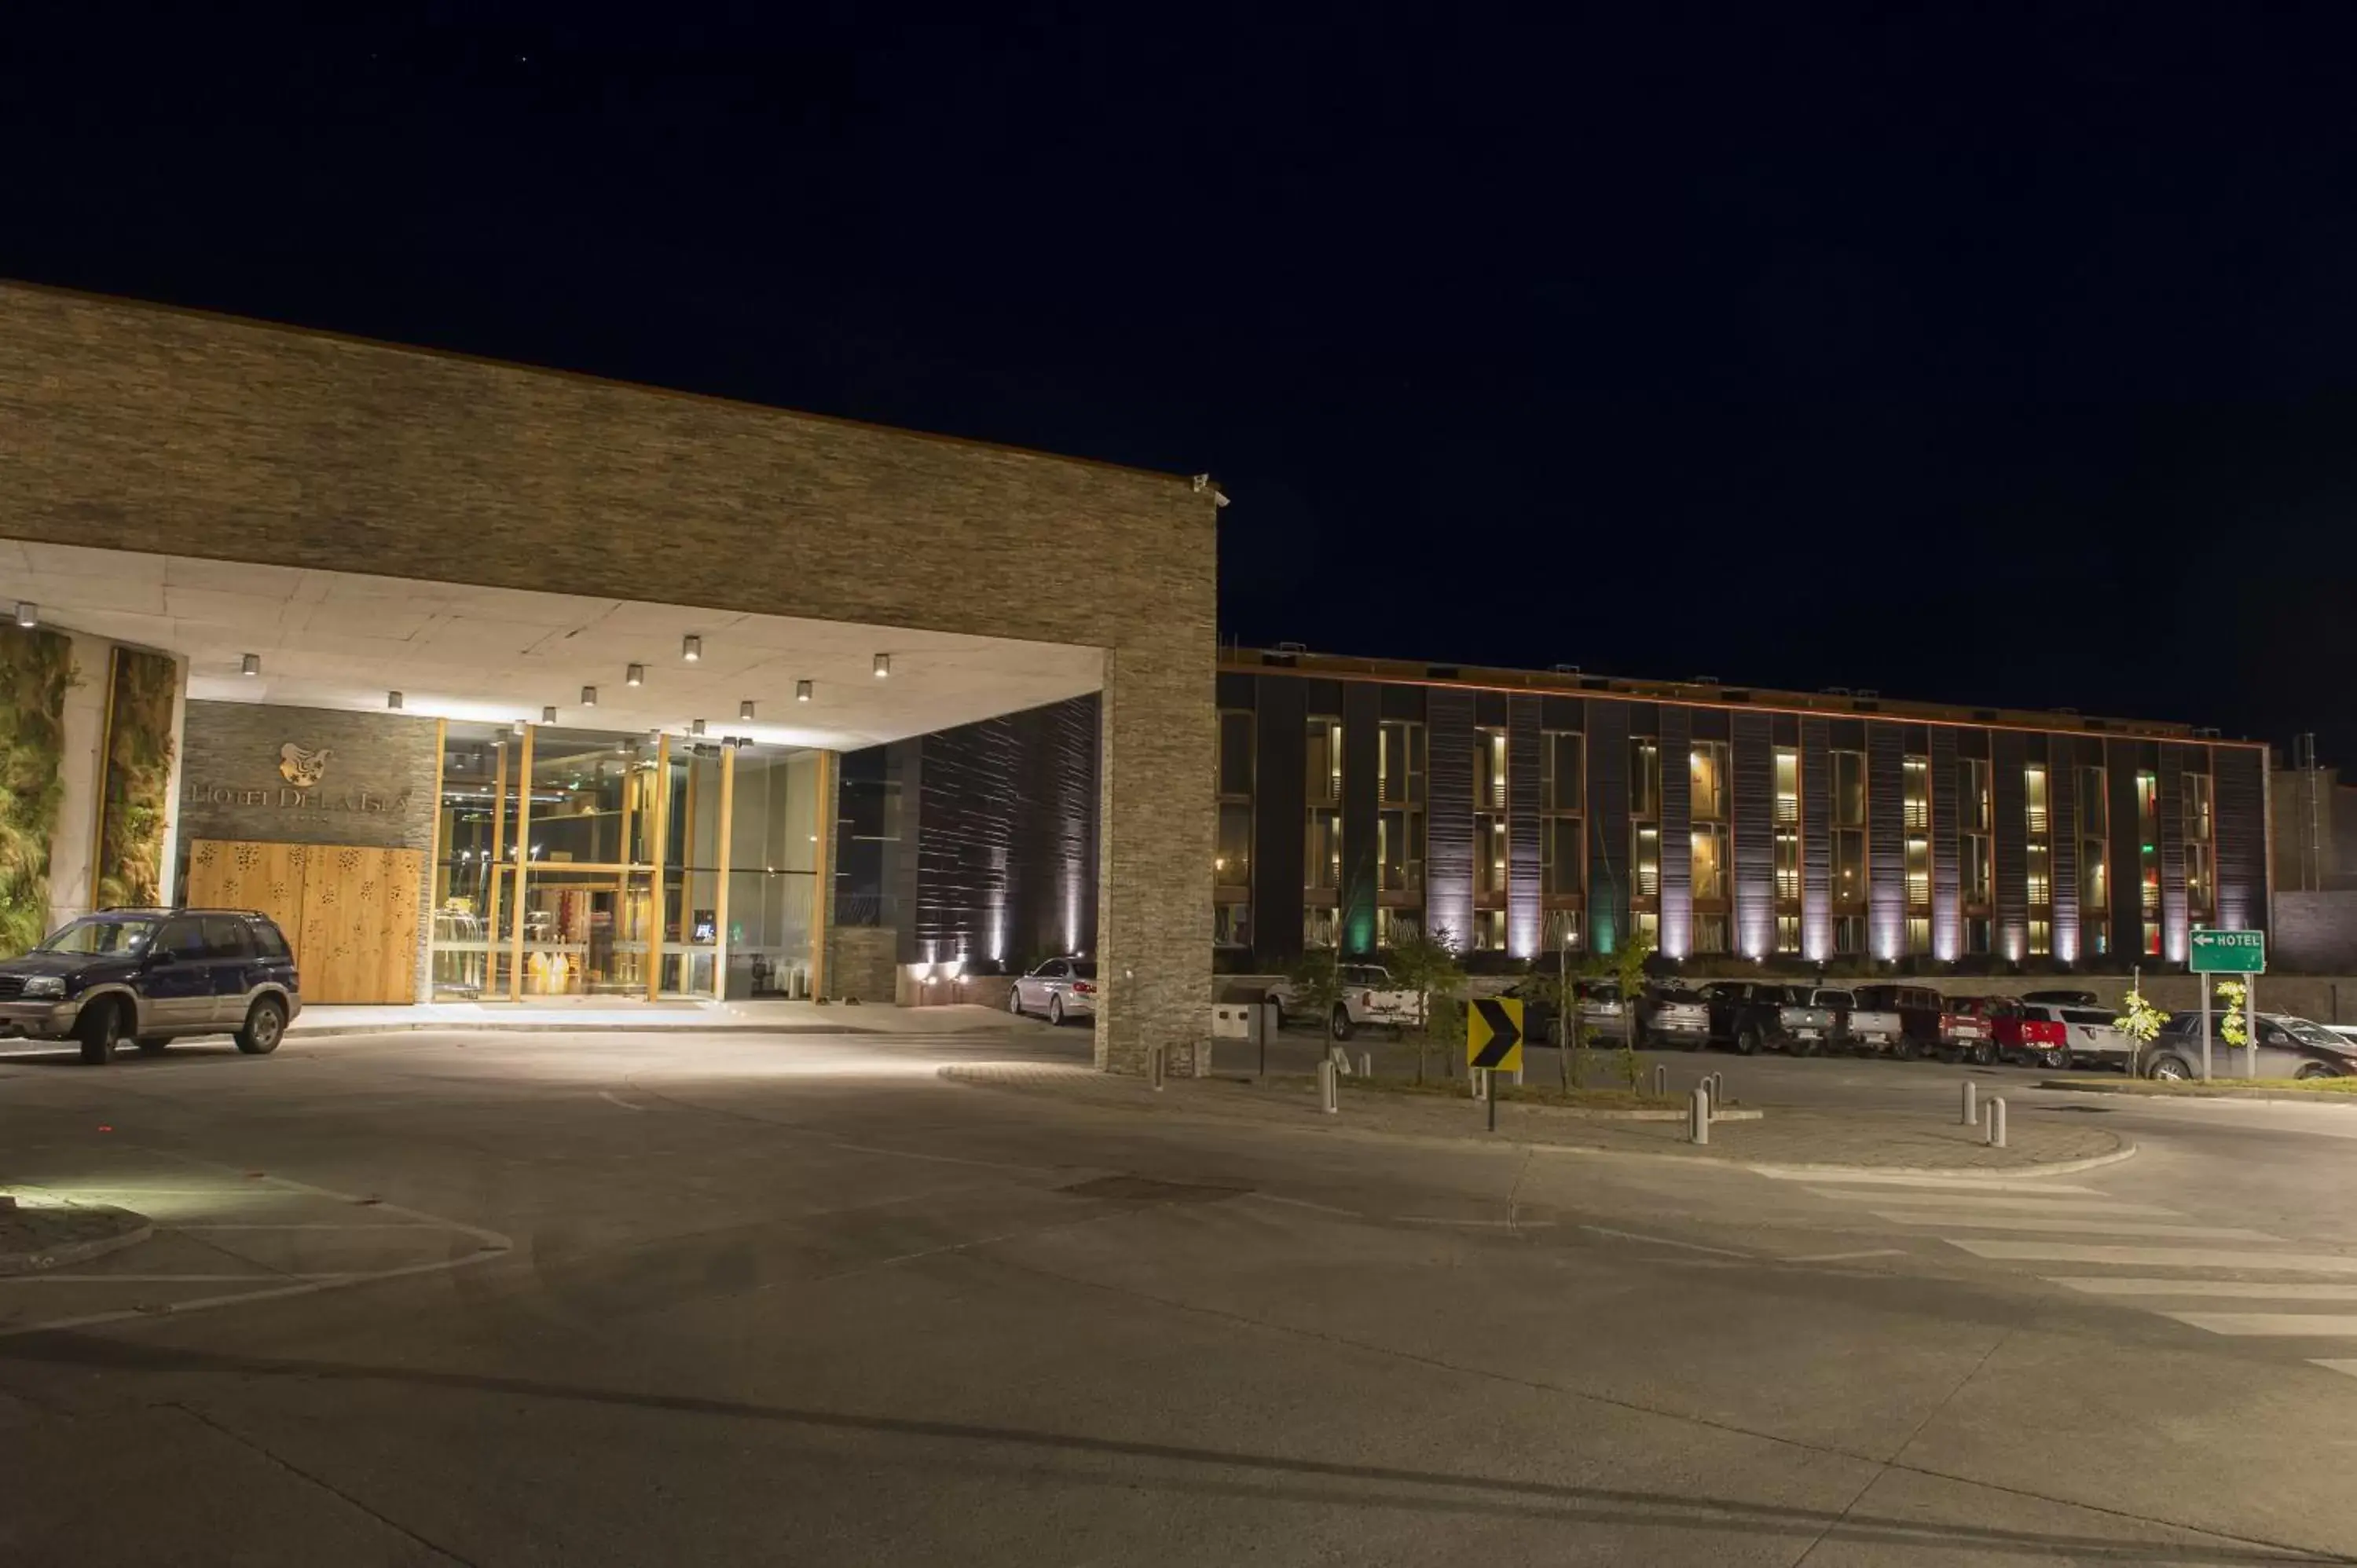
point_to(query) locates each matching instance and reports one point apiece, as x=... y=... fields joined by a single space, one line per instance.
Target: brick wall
x=134 y=427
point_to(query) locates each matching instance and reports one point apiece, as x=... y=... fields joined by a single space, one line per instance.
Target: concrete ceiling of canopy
x=343 y=640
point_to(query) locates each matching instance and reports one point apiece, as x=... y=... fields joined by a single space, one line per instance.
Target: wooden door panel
x=349 y=911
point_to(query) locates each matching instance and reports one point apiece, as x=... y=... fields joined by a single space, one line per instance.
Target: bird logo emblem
x=302 y=768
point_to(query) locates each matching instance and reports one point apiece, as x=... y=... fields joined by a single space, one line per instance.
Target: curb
x=471 y=1027
x=49 y=1258
x=1961 y=1173
x=2210 y=1091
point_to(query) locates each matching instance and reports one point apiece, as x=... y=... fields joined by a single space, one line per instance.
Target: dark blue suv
x=153 y=976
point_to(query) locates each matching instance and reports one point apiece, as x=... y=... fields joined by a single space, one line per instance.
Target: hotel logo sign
x=304 y=771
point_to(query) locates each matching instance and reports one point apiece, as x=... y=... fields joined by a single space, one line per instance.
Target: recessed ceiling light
x=393 y=700
x=29 y=614
x=690 y=647
x=588 y=696
x=636 y=677
x=251 y=664
x=883 y=665
x=802 y=691
x=745 y=709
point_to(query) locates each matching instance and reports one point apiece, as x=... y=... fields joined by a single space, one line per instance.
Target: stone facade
x=859 y=962
x=134 y=427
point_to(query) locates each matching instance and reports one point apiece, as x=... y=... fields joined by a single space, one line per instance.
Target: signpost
x=2228 y=952
x=1493 y=1042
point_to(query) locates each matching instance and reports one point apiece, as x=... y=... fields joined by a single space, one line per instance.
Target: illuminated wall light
x=251 y=664
x=690 y=647
x=883 y=665
x=29 y=614
x=802 y=691
x=588 y=696
x=696 y=727
x=635 y=676
x=517 y=727
x=548 y=714
x=744 y=710
x=393 y=701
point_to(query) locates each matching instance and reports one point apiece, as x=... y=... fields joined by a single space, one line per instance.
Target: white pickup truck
x=1368 y=996
x=1857 y=1025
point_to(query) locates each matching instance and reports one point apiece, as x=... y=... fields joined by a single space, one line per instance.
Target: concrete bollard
x=1662 y=1079
x=1718 y=1088
x=1329 y=1093
x=1366 y=1064
x=1480 y=1082
x=1996 y=1122
x=1698 y=1116
x=1155 y=1067
x=1970 y=1108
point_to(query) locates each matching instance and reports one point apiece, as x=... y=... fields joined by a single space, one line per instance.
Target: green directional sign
x=2228 y=952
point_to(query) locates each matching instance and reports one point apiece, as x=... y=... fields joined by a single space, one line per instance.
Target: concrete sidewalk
x=1779 y=1139
x=595 y=1014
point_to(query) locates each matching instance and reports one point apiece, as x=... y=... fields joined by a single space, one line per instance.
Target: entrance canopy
x=346 y=640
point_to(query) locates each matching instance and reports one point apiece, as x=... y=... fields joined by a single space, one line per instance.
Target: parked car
x=1368 y=996
x=2031 y=1033
x=1927 y=1024
x=1059 y=989
x=1596 y=1003
x=1858 y=1025
x=1673 y=1015
x=1967 y=1029
x=2062 y=998
x=154 y=976
x=2289 y=1046
x=1753 y=1014
x=2093 y=1037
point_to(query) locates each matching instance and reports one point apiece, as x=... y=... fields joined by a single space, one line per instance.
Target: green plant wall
x=136 y=800
x=36 y=668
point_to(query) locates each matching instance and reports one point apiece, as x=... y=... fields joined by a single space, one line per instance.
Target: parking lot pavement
x=730 y=1299
x=221 y=1236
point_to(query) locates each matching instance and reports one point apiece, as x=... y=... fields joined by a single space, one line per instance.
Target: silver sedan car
x=1059 y=989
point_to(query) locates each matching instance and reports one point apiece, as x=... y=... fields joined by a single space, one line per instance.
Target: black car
x=154 y=976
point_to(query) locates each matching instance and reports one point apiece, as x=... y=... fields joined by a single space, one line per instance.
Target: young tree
x=1625 y=969
x=2140 y=1021
x=1426 y=963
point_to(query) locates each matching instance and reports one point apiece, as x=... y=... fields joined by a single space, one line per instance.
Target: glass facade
x=586 y=863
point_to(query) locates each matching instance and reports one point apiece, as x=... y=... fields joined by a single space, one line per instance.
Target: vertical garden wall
x=36 y=668
x=135 y=794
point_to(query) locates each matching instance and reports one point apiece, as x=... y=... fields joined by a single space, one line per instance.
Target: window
x=1562 y=848
x=2095 y=810
x=1321 y=850
x=1849 y=789
x=1973 y=794
x=1231 y=856
x=1561 y=777
x=1710 y=934
x=1649 y=924
x=2033 y=799
x=1788 y=785
x=1565 y=930
x=1788 y=933
x=1915 y=794
x=2197 y=876
x=1399 y=763
x=2042 y=939
x=1972 y=867
x=1644 y=779
x=1976 y=937
x=1646 y=858
x=1489 y=931
x=225 y=937
x=1919 y=871
x=1849 y=865
x=2095 y=880
x=2042 y=886
x=268 y=941
x=2147 y=793
x=183 y=939
x=1323 y=782
x=1490 y=855
x=1396 y=927
x=1788 y=865
x=1399 y=851
x=1320 y=925
x=1710 y=861
x=1919 y=933
x=2099 y=941
x=1489 y=769
x=1236 y=755
x=2197 y=808
x=1231 y=925
x=1849 y=934
x=1709 y=766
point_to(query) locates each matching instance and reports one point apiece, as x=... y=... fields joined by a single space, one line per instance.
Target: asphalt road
x=545 y=1298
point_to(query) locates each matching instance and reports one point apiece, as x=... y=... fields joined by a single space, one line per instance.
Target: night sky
x=2002 y=361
